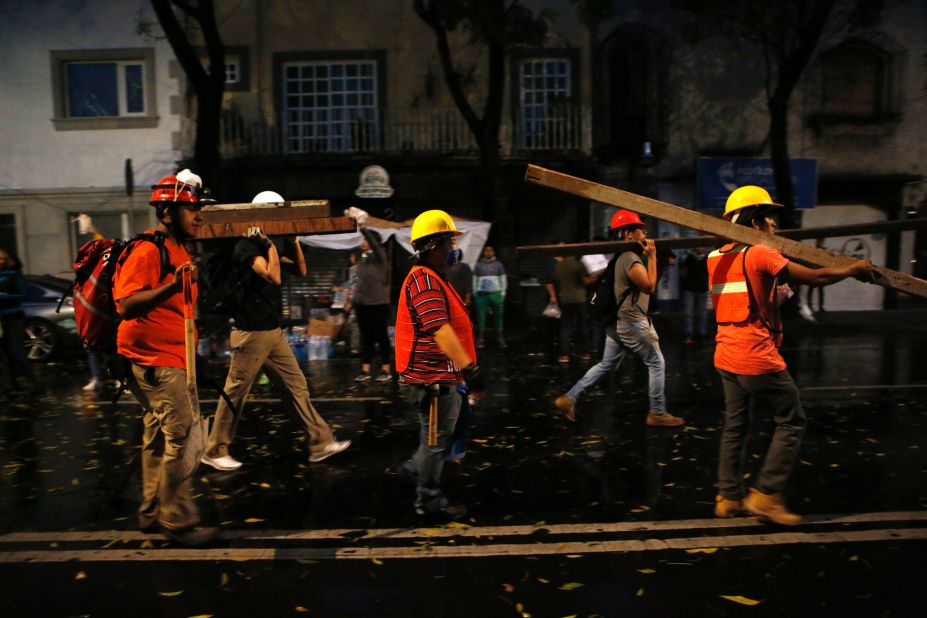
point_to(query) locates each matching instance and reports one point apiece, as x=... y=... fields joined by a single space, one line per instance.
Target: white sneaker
x=92 y=385
x=332 y=448
x=805 y=312
x=223 y=464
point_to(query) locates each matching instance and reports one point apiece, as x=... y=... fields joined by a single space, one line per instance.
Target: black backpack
x=603 y=306
x=224 y=279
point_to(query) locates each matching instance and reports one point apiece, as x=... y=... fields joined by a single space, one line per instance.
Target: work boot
x=663 y=420
x=566 y=405
x=725 y=507
x=770 y=507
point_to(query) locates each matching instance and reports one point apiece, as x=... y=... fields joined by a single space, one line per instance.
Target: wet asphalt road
x=67 y=468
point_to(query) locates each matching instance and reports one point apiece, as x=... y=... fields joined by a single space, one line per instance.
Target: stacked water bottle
x=299 y=343
x=320 y=347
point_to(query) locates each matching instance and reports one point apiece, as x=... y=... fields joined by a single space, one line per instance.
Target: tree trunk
x=206 y=146
x=779 y=145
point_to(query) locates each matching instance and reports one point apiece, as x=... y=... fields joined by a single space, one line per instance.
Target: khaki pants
x=252 y=351
x=170 y=419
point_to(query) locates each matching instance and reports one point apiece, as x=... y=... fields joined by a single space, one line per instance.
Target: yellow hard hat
x=746 y=196
x=433 y=222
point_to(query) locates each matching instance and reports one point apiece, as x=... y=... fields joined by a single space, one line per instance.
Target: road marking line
x=457 y=551
x=131 y=402
x=863 y=387
x=473 y=531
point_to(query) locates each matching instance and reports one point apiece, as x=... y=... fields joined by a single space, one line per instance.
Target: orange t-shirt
x=748 y=348
x=155 y=339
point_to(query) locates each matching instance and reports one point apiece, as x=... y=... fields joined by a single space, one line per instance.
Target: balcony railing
x=440 y=131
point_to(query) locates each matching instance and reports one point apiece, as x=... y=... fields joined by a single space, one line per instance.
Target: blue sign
x=716 y=177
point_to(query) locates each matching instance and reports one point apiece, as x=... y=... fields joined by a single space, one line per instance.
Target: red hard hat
x=169 y=189
x=624 y=218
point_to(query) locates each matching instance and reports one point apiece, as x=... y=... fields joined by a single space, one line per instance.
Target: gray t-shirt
x=636 y=303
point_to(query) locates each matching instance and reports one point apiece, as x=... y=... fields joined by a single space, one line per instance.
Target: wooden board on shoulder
x=715 y=226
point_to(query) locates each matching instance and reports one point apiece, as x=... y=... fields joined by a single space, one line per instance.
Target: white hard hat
x=268 y=197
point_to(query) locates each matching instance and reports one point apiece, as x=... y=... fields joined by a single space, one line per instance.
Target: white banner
x=475 y=234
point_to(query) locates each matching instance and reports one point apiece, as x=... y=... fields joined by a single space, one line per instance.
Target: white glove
x=357 y=214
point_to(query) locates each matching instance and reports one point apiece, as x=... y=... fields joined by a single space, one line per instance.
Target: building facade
x=91 y=118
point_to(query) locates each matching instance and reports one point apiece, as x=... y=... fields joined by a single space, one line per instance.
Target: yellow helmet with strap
x=746 y=196
x=433 y=222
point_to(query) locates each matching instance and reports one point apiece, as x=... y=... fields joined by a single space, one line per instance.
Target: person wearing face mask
x=435 y=352
x=744 y=281
x=370 y=300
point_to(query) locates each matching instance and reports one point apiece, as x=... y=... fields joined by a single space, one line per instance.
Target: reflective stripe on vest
x=405 y=330
x=728 y=284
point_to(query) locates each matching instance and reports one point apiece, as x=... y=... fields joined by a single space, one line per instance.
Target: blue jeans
x=428 y=461
x=641 y=338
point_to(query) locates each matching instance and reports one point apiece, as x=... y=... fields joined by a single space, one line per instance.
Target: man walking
x=744 y=283
x=147 y=290
x=258 y=343
x=636 y=278
x=434 y=353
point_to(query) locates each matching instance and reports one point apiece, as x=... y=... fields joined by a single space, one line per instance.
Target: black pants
x=573 y=328
x=14 y=349
x=372 y=321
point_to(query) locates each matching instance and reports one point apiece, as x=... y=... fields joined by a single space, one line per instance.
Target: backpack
x=603 y=306
x=224 y=279
x=92 y=289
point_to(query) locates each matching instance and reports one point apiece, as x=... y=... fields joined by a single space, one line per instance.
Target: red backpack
x=94 y=269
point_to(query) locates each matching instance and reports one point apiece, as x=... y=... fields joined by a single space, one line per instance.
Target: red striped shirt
x=427 y=301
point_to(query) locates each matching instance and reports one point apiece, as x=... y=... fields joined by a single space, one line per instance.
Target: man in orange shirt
x=149 y=299
x=744 y=285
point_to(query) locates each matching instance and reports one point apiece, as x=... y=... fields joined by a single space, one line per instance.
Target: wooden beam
x=691 y=242
x=250 y=206
x=288 y=227
x=716 y=226
x=219 y=217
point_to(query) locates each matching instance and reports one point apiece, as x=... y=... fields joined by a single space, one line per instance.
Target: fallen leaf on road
x=739 y=599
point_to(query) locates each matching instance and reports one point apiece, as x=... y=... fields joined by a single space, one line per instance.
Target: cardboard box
x=322 y=328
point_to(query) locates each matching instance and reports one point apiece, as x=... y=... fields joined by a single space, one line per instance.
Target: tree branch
x=428 y=13
x=214 y=45
x=185 y=53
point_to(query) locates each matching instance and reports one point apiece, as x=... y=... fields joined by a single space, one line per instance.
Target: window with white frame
x=103 y=89
x=330 y=106
x=545 y=88
x=232 y=71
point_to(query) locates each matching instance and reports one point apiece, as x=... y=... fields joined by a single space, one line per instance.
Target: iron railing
x=435 y=131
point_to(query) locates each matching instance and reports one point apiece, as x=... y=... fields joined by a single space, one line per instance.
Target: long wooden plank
x=716 y=226
x=690 y=242
x=293 y=227
x=218 y=217
x=250 y=206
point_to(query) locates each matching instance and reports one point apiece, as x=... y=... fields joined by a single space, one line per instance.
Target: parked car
x=48 y=333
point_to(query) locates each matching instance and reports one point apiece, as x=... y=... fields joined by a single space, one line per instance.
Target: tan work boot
x=566 y=405
x=725 y=507
x=771 y=507
x=663 y=420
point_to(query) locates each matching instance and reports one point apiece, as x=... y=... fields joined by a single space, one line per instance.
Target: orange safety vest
x=728 y=284
x=405 y=330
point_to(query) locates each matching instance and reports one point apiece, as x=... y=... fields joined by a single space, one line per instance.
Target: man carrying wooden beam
x=258 y=342
x=744 y=284
x=629 y=327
